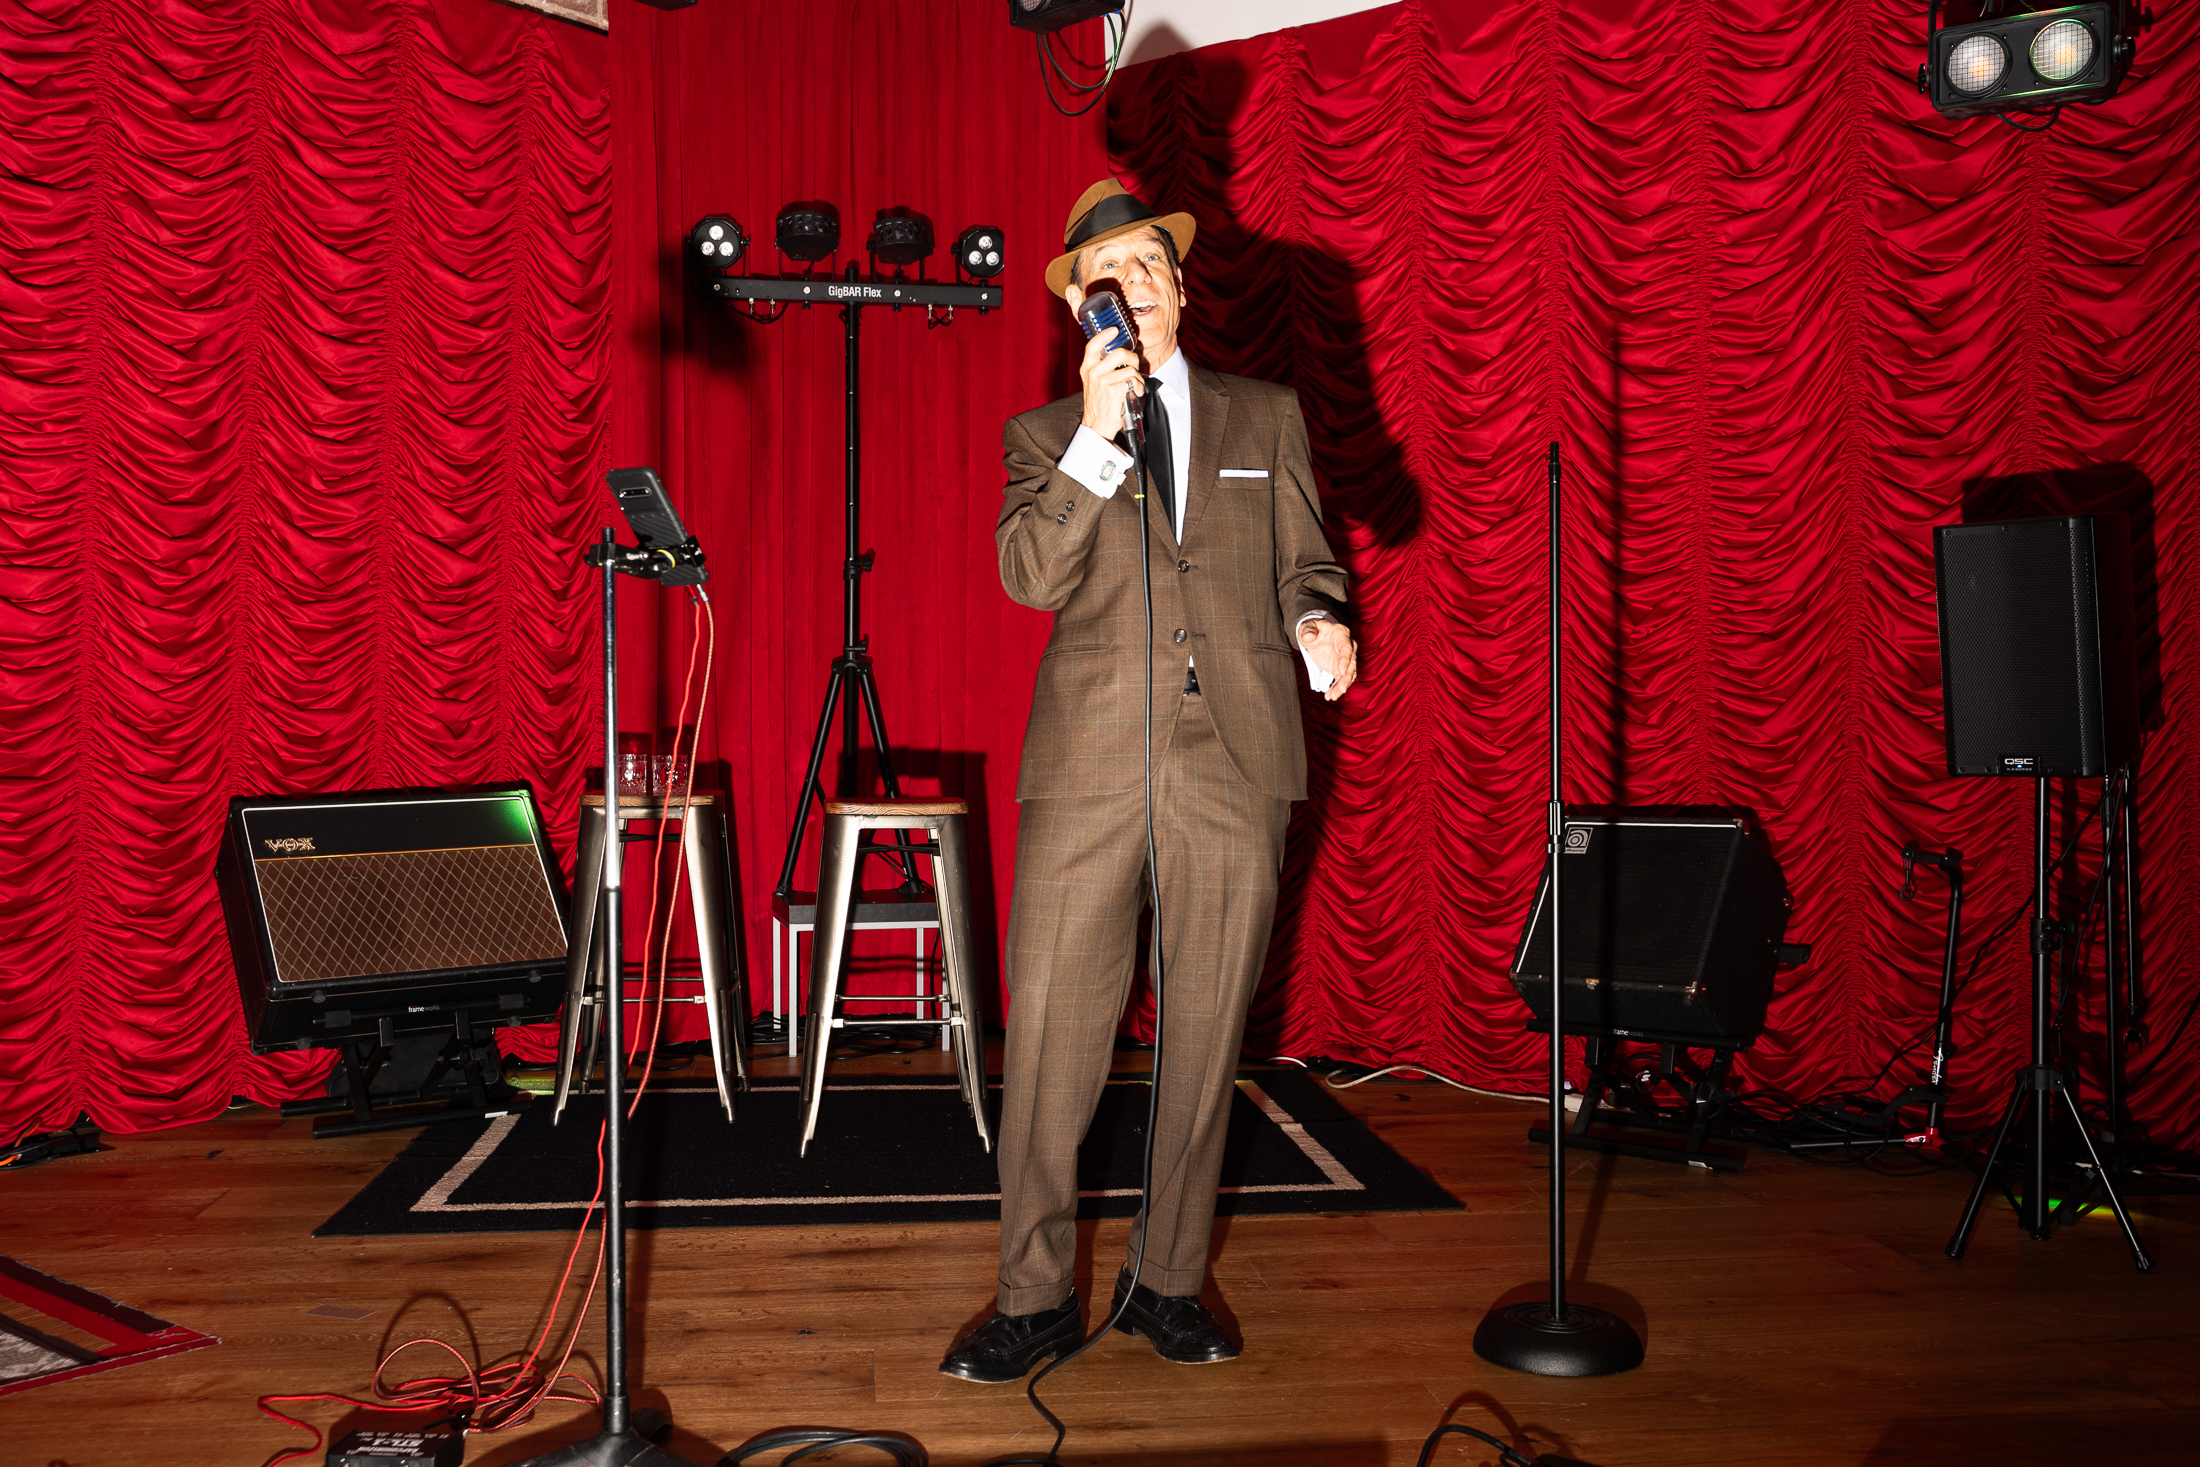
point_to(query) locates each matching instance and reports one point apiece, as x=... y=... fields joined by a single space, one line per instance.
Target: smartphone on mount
x=656 y=525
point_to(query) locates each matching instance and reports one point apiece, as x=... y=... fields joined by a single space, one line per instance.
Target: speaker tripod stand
x=2123 y=1016
x=2035 y=1084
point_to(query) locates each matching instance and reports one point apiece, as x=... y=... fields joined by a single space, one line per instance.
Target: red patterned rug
x=35 y=1305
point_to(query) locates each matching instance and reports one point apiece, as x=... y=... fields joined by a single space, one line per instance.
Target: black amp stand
x=469 y=1051
x=2039 y=1081
x=1699 y=1090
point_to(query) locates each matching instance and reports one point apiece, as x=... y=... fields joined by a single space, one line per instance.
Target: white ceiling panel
x=1164 y=27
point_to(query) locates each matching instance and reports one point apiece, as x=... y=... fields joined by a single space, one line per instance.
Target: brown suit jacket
x=1252 y=562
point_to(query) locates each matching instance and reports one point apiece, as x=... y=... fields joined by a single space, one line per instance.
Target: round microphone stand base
x=1532 y=1339
x=623 y=1448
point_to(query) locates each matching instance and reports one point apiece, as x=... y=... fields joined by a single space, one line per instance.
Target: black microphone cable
x=1155 y=971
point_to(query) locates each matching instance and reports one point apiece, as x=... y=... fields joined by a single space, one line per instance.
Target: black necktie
x=1160 y=456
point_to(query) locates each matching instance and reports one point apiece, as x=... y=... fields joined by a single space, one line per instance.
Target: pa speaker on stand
x=2039 y=677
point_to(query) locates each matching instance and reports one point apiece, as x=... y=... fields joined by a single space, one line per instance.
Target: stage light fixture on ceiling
x=717 y=242
x=900 y=238
x=1052 y=15
x=978 y=252
x=2038 y=61
x=807 y=232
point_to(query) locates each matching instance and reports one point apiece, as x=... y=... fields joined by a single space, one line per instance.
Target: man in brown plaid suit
x=1240 y=573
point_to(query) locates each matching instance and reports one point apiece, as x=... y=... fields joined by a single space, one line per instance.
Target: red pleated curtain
x=1782 y=320
x=321 y=324
x=304 y=321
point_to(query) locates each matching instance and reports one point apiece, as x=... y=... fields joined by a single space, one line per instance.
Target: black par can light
x=2026 y=63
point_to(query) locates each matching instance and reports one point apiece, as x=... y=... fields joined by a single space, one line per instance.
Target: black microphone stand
x=1950 y=864
x=1933 y=1094
x=624 y=1440
x=2124 y=1012
x=1554 y=1337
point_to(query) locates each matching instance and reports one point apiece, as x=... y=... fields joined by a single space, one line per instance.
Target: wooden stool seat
x=954 y=1002
x=897 y=808
x=594 y=800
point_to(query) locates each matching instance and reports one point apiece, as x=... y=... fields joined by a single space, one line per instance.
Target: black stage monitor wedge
x=1673 y=925
x=1052 y=15
x=386 y=912
x=2038 y=670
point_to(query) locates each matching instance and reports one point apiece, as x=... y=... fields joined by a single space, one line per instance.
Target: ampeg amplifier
x=390 y=912
x=1673 y=921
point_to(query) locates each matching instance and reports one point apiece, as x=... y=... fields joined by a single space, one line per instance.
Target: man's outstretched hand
x=1331 y=646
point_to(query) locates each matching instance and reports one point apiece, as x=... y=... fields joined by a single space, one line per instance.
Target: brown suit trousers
x=1080 y=879
x=1227 y=763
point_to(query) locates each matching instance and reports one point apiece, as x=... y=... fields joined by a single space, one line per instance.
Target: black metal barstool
x=954 y=1002
x=725 y=993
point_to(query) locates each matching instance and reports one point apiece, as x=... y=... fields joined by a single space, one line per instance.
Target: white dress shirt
x=1099 y=465
x=1090 y=455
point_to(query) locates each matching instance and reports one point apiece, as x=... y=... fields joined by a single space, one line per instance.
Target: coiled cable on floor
x=1505 y=1454
x=813 y=1440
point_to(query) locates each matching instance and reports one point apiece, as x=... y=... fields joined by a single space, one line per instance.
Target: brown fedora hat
x=1104 y=211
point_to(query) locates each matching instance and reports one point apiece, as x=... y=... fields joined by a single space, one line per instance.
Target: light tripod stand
x=2035 y=1084
x=852 y=687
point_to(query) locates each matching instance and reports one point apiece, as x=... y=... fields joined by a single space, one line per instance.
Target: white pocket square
x=1244 y=473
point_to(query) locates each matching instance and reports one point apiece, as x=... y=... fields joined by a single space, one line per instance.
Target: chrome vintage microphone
x=1103 y=311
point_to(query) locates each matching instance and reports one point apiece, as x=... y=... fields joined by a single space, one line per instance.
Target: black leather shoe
x=1006 y=1346
x=1181 y=1329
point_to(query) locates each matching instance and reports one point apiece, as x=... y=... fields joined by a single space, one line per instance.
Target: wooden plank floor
x=1792 y=1314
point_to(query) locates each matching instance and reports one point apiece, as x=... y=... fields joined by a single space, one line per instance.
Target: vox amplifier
x=384 y=912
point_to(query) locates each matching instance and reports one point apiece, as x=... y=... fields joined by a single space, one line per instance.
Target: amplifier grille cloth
x=1640 y=902
x=331 y=917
